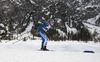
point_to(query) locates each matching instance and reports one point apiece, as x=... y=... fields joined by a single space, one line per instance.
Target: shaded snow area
x=93 y=20
x=93 y=28
x=68 y=51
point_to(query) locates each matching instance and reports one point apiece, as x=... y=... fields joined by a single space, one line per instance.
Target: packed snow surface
x=66 y=51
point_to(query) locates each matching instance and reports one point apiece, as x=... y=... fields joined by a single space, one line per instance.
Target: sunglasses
x=51 y=21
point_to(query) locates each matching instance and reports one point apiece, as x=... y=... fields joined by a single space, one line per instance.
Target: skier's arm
x=42 y=25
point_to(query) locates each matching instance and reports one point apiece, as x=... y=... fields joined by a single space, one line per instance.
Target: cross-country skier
x=45 y=27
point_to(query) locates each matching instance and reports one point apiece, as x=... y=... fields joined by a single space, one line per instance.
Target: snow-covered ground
x=68 y=51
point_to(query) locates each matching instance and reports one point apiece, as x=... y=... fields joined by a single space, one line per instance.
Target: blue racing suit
x=45 y=28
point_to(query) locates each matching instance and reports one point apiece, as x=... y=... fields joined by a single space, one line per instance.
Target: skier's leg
x=42 y=44
x=46 y=40
x=43 y=40
x=45 y=43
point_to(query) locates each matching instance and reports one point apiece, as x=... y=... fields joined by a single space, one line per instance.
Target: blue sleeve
x=42 y=25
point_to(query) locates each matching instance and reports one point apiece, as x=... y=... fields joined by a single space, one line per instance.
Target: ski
x=45 y=50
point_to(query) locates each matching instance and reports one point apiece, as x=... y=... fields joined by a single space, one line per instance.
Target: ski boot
x=45 y=49
x=42 y=47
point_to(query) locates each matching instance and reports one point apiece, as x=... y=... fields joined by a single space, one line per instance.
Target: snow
x=59 y=20
x=16 y=1
x=79 y=1
x=62 y=34
x=92 y=28
x=47 y=13
x=27 y=31
x=29 y=27
x=1 y=31
x=6 y=6
x=1 y=25
x=51 y=16
x=43 y=9
x=68 y=51
x=33 y=2
x=90 y=5
x=43 y=18
x=93 y=20
x=70 y=30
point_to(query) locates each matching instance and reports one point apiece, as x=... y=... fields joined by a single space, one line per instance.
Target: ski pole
x=20 y=35
x=24 y=33
x=19 y=40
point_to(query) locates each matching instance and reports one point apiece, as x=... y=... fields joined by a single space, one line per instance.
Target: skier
x=45 y=27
